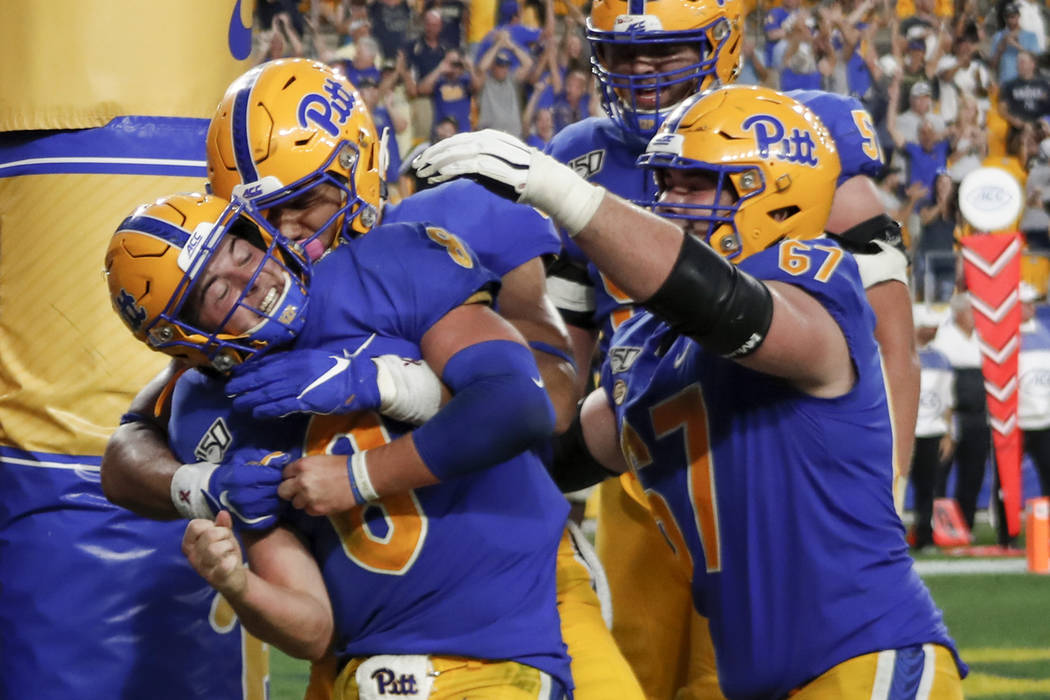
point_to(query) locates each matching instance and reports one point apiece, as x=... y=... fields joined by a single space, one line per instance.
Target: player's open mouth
x=269 y=300
x=647 y=99
x=272 y=301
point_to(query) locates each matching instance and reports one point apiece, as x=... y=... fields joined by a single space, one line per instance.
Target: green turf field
x=1001 y=622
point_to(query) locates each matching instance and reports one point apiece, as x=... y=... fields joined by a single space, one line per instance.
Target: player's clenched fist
x=213 y=551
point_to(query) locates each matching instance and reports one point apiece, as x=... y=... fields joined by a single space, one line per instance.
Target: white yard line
x=1006 y=565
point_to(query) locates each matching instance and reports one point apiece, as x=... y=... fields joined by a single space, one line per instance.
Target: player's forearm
x=634 y=248
x=282 y=599
x=893 y=329
x=559 y=378
x=137 y=468
x=293 y=621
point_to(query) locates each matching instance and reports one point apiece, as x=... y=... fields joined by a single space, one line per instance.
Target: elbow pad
x=714 y=302
x=499 y=409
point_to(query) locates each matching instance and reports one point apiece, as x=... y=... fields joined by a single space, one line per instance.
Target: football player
x=322 y=189
x=208 y=282
x=749 y=397
x=648 y=57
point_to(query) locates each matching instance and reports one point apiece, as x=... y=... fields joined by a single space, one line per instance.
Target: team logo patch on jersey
x=622 y=357
x=212 y=447
x=772 y=138
x=589 y=164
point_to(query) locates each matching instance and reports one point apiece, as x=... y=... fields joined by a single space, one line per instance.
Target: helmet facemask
x=176 y=328
x=772 y=167
x=353 y=214
x=623 y=93
x=288 y=127
x=715 y=223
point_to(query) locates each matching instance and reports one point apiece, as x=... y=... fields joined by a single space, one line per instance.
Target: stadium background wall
x=104 y=106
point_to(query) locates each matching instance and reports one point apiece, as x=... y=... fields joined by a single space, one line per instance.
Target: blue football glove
x=304 y=381
x=245 y=484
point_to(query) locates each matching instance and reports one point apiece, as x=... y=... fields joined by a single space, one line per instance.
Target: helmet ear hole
x=784 y=213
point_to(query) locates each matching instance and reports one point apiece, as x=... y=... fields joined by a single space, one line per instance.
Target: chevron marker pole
x=992 y=268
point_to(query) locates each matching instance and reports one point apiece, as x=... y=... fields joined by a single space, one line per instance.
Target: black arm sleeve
x=573 y=467
x=714 y=302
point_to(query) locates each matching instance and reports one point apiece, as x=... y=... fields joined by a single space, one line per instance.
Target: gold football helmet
x=158 y=254
x=769 y=151
x=287 y=126
x=714 y=26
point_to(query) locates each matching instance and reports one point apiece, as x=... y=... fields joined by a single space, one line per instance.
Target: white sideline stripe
x=1012 y=565
x=125 y=161
x=46 y=465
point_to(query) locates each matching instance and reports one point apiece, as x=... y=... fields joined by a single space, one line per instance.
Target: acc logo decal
x=622 y=357
x=318 y=108
x=213 y=446
x=588 y=164
x=770 y=134
x=133 y=314
x=252 y=191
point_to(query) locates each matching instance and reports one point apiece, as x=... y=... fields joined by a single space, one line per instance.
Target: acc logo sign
x=319 y=109
x=772 y=137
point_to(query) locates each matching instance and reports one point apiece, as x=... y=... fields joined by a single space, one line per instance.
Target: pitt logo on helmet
x=318 y=109
x=770 y=134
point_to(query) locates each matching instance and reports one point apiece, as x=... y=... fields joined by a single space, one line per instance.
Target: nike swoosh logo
x=537 y=382
x=341 y=363
x=250 y=521
x=240 y=35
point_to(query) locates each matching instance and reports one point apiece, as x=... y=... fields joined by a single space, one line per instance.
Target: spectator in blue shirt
x=774 y=27
x=451 y=86
x=1009 y=41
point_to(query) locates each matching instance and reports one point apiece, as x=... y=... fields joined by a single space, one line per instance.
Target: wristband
x=188 y=484
x=360 y=483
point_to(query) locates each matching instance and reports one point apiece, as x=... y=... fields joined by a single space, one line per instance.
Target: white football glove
x=515 y=171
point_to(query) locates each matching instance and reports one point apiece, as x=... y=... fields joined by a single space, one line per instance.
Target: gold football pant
x=664 y=639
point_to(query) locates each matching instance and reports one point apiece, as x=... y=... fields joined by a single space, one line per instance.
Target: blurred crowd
x=950 y=86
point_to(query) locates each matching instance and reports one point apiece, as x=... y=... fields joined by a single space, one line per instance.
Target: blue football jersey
x=503 y=234
x=777 y=503
x=597 y=149
x=465 y=567
x=852 y=130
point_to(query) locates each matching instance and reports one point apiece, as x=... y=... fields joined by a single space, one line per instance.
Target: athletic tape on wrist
x=409 y=391
x=187 y=486
x=556 y=189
